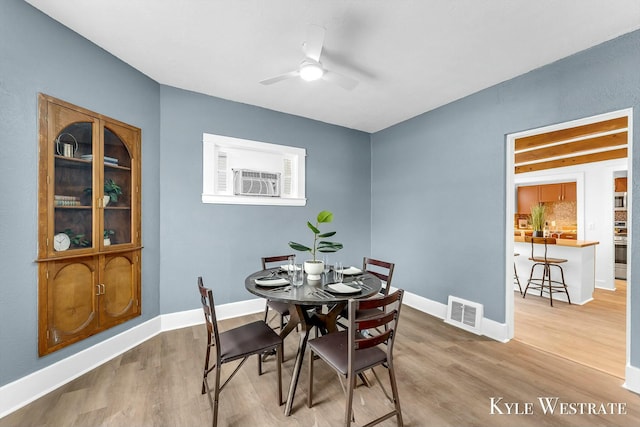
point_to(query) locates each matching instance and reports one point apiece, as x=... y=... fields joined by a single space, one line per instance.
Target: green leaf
x=298 y=247
x=313 y=228
x=329 y=234
x=325 y=216
x=324 y=245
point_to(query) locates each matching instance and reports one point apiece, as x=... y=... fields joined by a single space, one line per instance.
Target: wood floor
x=446 y=376
x=593 y=334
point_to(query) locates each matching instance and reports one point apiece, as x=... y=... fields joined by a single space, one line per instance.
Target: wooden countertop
x=565 y=242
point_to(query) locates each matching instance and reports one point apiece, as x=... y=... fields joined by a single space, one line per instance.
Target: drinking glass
x=297 y=275
x=327 y=266
x=338 y=272
x=291 y=266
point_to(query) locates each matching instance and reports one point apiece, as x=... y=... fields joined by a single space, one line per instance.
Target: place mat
x=341 y=288
x=270 y=281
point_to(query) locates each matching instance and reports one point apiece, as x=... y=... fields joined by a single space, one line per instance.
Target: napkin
x=285 y=267
x=271 y=281
x=351 y=270
x=341 y=288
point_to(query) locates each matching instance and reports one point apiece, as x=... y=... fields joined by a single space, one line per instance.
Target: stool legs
x=515 y=276
x=552 y=285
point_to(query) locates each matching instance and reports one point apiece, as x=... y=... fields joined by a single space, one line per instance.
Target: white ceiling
x=410 y=56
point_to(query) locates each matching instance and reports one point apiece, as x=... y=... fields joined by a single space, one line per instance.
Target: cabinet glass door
x=117 y=186
x=72 y=151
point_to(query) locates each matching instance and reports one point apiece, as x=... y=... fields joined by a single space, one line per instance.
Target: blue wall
x=409 y=193
x=438 y=198
x=39 y=55
x=224 y=243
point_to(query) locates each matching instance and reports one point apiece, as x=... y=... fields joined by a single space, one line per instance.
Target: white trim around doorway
x=510 y=201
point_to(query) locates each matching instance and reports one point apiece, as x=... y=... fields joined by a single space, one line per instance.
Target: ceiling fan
x=311 y=68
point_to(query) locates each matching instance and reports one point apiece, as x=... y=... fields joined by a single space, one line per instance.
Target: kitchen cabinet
x=89 y=242
x=561 y=192
x=531 y=195
x=528 y=196
x=620 y=185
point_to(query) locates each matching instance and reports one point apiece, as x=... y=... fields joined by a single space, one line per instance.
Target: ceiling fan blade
x=276 y=79
x=343 y=81
x=313 y=44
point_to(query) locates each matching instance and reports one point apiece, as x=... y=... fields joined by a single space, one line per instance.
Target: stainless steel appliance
x=620 y=201
x=620 y=249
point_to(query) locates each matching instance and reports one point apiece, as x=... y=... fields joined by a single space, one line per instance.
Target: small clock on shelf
x=61 y=242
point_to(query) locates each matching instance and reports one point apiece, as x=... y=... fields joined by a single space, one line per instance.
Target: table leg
x=301 y=317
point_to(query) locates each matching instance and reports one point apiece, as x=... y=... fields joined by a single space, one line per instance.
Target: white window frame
x=217 y=184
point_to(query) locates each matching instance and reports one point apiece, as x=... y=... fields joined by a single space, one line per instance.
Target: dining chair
x=365 y=344
x=281 y=308
x=383 y=270
x=238 y=343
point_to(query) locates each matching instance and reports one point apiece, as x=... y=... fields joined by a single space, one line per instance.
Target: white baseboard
x=632 y=379
x=490 y=328
x=17 y=394
x=21 y=392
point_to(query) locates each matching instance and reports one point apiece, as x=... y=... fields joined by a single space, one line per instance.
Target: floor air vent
x=464 y=314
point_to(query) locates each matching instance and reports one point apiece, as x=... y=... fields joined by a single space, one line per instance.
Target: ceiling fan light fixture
x=310 y=71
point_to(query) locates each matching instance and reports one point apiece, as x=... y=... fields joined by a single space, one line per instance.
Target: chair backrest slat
x=271 y=259
x=208 y=307
x=383 y=270
x=375 y=329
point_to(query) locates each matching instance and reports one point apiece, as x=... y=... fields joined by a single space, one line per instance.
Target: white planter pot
x=105 y=200
x=313 y=269
x=107 y=241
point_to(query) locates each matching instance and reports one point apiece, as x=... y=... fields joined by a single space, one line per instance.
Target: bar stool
x=515 y=274
x=551 y=286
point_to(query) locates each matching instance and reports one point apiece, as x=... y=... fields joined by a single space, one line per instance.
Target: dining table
x=315 y=303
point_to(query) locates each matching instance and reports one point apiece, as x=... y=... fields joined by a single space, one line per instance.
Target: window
x=239 y=171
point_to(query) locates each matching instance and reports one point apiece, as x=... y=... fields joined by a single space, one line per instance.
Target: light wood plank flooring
x=593 y=334
x=446 y=378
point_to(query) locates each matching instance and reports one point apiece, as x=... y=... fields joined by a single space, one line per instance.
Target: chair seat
x=247 y=339
x=280 y=307
x=333 y=348
x=549 y=260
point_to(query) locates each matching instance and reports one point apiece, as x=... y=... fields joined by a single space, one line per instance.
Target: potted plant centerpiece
x=537 y=219
x=314 y=267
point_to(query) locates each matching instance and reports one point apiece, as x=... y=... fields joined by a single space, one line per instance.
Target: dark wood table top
x=312 y=292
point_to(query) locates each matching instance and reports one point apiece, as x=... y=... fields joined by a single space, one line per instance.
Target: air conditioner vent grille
x=256 y=183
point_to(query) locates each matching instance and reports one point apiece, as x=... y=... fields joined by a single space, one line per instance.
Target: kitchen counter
x=579 y=270
x=564 y=242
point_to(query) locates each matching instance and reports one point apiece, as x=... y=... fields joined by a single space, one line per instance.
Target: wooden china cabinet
x=89 y=190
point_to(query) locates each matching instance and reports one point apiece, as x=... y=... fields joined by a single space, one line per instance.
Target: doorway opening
x=581 y=151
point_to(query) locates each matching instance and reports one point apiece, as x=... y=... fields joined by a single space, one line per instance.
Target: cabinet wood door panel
x=120 y=288
x=527 y=197
x=71 y=298
x=620 y=185
x=569 y=192
x=550 y=193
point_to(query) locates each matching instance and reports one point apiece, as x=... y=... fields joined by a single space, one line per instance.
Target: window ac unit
x=255 y=183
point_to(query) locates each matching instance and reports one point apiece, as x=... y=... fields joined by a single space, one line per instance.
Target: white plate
x=341 y=288
x=349 y=271
x=271 y=281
